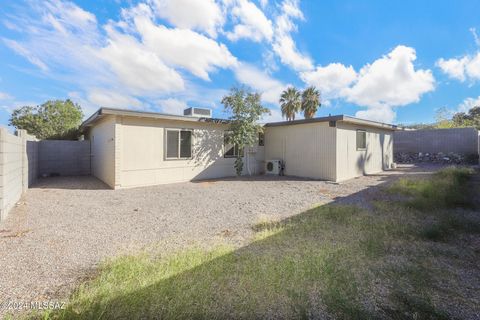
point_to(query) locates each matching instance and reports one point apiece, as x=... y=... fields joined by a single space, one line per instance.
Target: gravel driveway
x=63 y=227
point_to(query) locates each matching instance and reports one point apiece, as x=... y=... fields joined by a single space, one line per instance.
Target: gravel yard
x=64 y=226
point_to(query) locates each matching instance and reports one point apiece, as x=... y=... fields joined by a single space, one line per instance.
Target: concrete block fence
x=13 y=168
x=455 y=146
x=23 y=159
x=63 y=157
x=455 y=140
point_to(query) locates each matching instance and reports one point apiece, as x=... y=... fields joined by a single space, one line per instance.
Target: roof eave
x=144 y=114
x=342 y=118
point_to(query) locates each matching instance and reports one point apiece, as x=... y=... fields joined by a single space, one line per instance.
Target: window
x=361 y=139
x=261 y=139
x=178 y=144
x=231 y=150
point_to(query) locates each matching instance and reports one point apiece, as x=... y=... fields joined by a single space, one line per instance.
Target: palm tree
x=310 y=102
x=291 y=102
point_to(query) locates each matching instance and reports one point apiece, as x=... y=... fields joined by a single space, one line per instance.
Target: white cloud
x=26 y=53
x=283 y=44
x=63 y=13
x=269 y=87
x=184 y=48
x=135 y=56
x=11 y=104
x=269 y=62
x=379 y=114
x=454 y=68
x=253 y=24
x=88 y=106
x=331 y=80
x=113 y=99
x=274 y=116
x=466 y=67
x=61 y=40
x=473 y=67
x=475 y=36
x=285 y=48
x=390 y=81
x=172 y=106
x=468 y=104
x=137 y=68
x=202 y=15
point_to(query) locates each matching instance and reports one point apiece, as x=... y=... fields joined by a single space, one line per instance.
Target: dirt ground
x=64 y=226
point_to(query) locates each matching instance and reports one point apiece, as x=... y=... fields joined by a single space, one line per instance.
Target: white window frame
x=356 y=139
x=165 y=149
x=235 y=148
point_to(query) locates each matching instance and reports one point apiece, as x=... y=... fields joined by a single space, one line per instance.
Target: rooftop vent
x=198 y=112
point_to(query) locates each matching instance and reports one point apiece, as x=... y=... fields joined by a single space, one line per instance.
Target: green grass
x=447 y=188
x=332 y=261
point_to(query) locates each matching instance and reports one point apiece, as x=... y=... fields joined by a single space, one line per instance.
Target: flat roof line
x=146 y=114
x=343 y=118
x=157 y=115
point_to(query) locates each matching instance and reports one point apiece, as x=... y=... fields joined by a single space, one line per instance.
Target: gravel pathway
x=64 y=226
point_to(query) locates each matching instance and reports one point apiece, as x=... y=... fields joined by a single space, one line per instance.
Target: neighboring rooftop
x=100 y=113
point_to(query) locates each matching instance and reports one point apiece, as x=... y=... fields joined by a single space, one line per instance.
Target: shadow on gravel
x=72 y=183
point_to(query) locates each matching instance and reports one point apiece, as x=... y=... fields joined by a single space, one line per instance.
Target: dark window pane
x=261 y=139
x=185 y=144
x=172 y=144
x=229 y=150
x=361 y=139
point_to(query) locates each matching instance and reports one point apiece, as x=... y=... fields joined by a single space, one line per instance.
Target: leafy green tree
x=469 y=119
x=55 y=119
x=246 y=110
x=290 y=103
x=310 y=102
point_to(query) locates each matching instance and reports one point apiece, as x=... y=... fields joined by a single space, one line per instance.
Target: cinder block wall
x=32 y=158
x=23 y=159
x=13 y=172
x=456 y=140
x=64 y=157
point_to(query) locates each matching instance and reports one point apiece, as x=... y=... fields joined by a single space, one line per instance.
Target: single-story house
x=136 y=148
x=334 y=148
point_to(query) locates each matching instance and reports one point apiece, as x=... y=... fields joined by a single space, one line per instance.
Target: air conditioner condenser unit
x=273 y=167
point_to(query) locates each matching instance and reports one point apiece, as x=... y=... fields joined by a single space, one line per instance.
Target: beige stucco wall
x=102 y=138
x=129 y=151
x=351 y=162
x=308 y=150
x=141 y=160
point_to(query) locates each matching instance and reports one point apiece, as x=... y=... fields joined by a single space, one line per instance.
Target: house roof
x=102 y=112
x=343 y=118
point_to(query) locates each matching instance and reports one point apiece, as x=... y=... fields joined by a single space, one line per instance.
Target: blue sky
x=390 y=61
